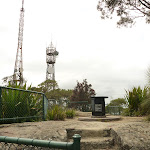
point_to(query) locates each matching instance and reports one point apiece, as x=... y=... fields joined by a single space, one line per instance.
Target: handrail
x=22 y=90
x=75 y=145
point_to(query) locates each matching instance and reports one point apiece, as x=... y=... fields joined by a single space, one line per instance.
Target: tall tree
x=47 y=86
x=82 y=92
x=116 y=106
x=8 y=80
x=127 y=10
x=59 y=94
x=121 y=102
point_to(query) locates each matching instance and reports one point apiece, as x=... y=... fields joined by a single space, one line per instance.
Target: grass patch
x=70 y=113
x=56 y=113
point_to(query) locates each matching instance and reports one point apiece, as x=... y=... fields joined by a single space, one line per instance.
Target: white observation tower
x=51 y=54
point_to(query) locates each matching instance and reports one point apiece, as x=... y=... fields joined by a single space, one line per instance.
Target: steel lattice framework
x=51 y=54
x=18 y=69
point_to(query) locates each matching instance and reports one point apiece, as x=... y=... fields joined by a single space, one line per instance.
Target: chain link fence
x=78 y=105
x=18 y=105
x=61 y=102
x=114 y=110
x=81 y=105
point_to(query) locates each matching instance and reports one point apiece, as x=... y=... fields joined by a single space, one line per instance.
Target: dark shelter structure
x=98 y=106
x=98 y=111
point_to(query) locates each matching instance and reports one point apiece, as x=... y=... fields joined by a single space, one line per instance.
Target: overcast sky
x=111 y=59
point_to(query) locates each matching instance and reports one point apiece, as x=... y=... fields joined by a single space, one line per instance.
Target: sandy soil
x=56 y=130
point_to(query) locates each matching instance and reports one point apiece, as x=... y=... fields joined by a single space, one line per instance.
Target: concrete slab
x=101 y=119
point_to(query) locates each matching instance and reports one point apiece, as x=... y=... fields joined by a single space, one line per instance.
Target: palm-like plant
x=20 y=104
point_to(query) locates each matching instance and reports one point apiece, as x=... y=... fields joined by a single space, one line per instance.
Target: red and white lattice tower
x=51 y=54
x=18 y=70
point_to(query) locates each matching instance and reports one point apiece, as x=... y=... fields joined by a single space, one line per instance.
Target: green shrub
x=70 y=113
x=137 y=113
x=134 y=98
x=145 y=107
x=56 y=113
x=17 y=104
x=126 y=112
x=148 y=118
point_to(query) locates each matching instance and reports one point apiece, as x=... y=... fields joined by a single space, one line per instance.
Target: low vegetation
x=70 y=113
x=20 y=104
x=135 y=103
x=59 y=113
x=138 y=101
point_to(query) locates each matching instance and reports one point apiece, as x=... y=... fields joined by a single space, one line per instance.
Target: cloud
x=111 y=59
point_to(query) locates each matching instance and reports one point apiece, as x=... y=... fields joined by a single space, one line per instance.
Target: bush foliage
x=70 y=113
x=56 y=113
x=59 y=113
x=138 y=101
x=22 y=104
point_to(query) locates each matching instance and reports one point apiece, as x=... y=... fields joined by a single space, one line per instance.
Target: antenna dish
x=55 y=53
x=50 y=70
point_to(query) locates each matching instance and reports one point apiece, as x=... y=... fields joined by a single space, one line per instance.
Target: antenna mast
x=51 y=54
x=18 y=69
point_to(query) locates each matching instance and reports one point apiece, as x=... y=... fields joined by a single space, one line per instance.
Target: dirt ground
x=56 y=130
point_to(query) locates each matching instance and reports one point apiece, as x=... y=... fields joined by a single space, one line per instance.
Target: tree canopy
x=121 y=102
x=127 y=10
x=47 y=87
x=82 y=92
x=59 y=94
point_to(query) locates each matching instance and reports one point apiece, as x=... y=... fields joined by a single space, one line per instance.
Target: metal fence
x=114 y=110
x=80 y=105
x=60 y=102
x=11 y=143
x=18 y=105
